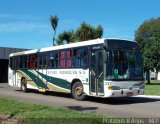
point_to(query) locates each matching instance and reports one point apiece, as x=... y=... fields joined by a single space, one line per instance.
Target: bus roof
x=65 y=46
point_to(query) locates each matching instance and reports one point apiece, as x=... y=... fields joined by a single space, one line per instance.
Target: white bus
x=100 y=67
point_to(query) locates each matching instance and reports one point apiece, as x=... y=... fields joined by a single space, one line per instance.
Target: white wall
x=158 y=75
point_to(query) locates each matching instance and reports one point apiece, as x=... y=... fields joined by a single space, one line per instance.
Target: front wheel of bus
x=77 y=91
x=24 y=85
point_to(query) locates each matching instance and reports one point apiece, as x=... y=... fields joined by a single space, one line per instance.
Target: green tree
x=98 y=32
x=155 y=49
x=54 y=22
x=83 y=33
x=66 y=36
x=148 y=38
x=88 y=32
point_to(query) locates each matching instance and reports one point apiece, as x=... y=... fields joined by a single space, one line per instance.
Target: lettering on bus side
x=52 y=72
x=80 y=72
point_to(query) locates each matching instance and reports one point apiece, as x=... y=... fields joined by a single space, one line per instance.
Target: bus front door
x=97 y=73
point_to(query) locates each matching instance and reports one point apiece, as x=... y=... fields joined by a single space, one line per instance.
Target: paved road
x=133 y=107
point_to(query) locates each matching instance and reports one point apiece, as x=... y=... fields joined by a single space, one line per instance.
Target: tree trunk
x=54 y=37
x=148 y=76
x=53 y=41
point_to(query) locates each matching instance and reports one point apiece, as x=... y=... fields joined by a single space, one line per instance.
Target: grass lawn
x=32 y=113
x=153 y=88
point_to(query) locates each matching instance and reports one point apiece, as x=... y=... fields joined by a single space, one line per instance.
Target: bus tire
x=24 y=85
x=77 y=91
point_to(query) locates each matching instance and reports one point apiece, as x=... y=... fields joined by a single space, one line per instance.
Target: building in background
x=4 y=60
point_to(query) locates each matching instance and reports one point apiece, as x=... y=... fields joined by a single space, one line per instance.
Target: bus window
x=23 y=62
x=17 y=62
x=124 y=64
x=83 y=57
x=42 y=60
x=53 y=59
x=68 y=59
x=65 y=59
x=32 y=62
x=74 y=58
x=80 y=57
x=14 y=63
x=62 y=59
x=120 y=64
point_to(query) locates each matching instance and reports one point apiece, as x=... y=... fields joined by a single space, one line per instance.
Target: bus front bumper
x=124 y=92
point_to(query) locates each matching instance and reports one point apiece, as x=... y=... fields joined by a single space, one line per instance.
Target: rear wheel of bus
x=77 y=91
x=23 y=85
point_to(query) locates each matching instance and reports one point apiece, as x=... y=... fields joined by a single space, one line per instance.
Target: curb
x=148 y=96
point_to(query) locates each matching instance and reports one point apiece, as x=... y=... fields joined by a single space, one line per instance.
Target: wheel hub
x=78 y=91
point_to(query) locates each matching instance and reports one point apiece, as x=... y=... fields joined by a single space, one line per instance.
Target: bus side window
x=65 y=59
x=80 y=57
x=75 y=58
x=42 y=60
x=13 y=63
x=53 y=59
x=83 y=57
x=17 y=62
x=32 y=64
x=62 y=59
x=23 y=62
x=68 y=59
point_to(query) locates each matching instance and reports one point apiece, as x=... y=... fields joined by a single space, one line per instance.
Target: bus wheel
x=24 y=85
x=77 y=91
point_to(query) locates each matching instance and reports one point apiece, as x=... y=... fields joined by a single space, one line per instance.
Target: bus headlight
x=114 y=88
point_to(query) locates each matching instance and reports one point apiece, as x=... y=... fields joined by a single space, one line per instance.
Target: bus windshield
x=122 y=64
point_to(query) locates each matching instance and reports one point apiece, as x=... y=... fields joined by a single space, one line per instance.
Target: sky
x=26 y=23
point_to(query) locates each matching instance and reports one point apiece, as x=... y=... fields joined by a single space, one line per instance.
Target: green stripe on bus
x=56 y=81
x=36 y=79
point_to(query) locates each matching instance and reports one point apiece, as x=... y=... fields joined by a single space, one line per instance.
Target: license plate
x=130 y=94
